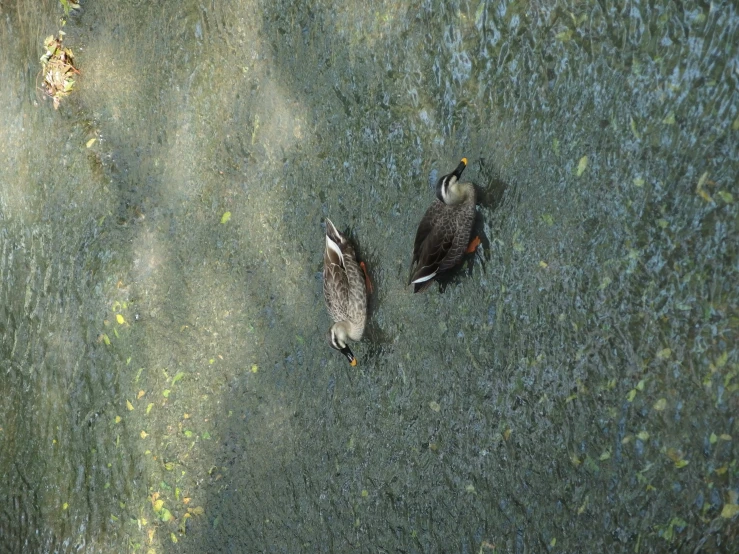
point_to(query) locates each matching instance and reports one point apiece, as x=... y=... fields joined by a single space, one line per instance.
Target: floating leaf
x=143 y=434
x=507 y=434
x=632 y=394
x=117 y=419
x=169 y=466
x=149 y=407
x=119 y=319
x=165 y=515
x=158 y=505
x=670 y=119
x=582 y=165
x=105 y=338
x=470 y=489
x=140 y=394
x=699 y=188
x=178 y=376
x=730 y=510
x=197 y=510
x=254 y=368
x=165 y=393
x=225 y=217
x=713 y=438
x=91 y=142
x=638 y=182
x=543 y=264
x=660 y=405
x=681 y=463
x=664 y=354
x=434 y=406
x=642 y=435
x=605 y=456
x=129 y=406
x=726 y=196
x=725 y=437
x=65 y=506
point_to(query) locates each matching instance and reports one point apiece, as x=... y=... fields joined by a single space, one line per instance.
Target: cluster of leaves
x=58 y=68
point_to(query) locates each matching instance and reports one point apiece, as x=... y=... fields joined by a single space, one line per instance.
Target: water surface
x=166 y=382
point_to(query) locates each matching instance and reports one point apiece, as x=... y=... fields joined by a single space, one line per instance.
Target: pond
x=166 y=381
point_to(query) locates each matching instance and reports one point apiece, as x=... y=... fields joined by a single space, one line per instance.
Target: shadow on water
x=166 y=376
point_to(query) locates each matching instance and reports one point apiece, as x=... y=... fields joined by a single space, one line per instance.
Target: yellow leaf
x=226 y=216
x=605 y=456
x=642 y=435
x=681 y=463
x=149 y=407
x=575 y=460
x=151 y=533
x=65 y=506
x=173 y=538
x=543 y=265
x=143 y=434
x=91 y=142
x=660 y=405
x=725 y=437
x=129 y=406
x=730 y=510
x=632 y=394
x=434 y=406
x=140 y=394
x=117 y=419
x=664 y=354
x=119 y=319
x=582 y=165
x=158 y=505
x=254 y=368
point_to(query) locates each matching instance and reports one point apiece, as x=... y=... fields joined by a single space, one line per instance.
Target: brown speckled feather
x=441 y=239
x=344 y=286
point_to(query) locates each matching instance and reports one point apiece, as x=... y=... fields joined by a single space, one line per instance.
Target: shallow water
x=166 y=382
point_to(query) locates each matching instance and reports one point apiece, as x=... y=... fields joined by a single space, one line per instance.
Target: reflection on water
x=167 y=385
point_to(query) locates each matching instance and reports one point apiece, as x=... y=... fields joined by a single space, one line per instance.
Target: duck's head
x=337 y=338
x=448 y=189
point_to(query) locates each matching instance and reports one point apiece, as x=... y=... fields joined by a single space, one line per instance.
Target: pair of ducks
x=442 y=239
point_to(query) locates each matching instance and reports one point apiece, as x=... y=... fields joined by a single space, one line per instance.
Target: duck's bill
x=349 y=355
x=460 y=168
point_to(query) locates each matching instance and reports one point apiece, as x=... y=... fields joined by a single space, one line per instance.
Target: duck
x=443 y=235
x=345 y=291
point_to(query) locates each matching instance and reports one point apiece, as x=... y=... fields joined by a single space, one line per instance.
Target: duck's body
x=344 y=291
x=443 y=235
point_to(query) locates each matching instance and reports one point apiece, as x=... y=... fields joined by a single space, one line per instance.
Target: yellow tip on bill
x=464 y=161
x=353 y=362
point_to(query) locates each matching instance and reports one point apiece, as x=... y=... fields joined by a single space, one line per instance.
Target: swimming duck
x=443 y=236
x=345 y=291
